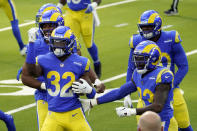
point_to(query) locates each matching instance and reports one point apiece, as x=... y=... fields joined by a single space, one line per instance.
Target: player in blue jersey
x=49 y=21
x=9 y=9
x=79 y=17
x=154 y=85
x=9 y=121
x=149 y=25
x=60 y=68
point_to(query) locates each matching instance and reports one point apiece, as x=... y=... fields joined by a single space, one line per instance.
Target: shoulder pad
x=177 y=38
x=134 y=40
x=165 y=76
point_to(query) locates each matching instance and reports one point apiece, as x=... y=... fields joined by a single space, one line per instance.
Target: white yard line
x=121 y=25
x=100 y=7
x=104 y=81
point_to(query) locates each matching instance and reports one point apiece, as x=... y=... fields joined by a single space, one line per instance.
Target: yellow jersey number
x=55 y=82
x=146 y=92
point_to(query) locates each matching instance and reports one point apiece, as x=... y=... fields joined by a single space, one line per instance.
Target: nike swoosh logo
x=167 y=76
x=74 y=114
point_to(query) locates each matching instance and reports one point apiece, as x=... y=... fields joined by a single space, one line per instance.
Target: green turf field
x=113 y=50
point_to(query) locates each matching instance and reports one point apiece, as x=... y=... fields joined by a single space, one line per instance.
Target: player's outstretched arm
x=113 y=95
x=161 y=95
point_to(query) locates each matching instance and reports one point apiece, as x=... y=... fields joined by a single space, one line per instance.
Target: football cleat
x=171 y=12
x=146 y=56
x=23 y=51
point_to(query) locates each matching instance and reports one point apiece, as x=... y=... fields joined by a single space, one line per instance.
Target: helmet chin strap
x=148 y=35
x=142 y=71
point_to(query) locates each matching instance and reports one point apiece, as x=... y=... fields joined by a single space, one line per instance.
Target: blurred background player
x=173 y=54
x=79 y=18
x=157 y=93
x=174 y=8
x=150 y=121
x=9 y=8
x=9 y=121
x=60 y=68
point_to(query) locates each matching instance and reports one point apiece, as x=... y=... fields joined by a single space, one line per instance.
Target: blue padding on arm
x=92 y=94
x=131 y=66
x=181 y=62
x=31 y=59
x=117 y=94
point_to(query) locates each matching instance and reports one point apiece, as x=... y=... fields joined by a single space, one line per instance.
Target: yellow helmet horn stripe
x=68 y=34
x=148 y=48
x=55 y=16
x=152 y=17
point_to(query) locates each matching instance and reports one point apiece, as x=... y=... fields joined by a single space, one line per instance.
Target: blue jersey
x=41 y=48
x=172 y=54
x=146 y=87
x=77 y=5
x=59 y=77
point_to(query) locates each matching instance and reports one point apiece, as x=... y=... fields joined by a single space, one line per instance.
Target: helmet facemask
x=141 y=61
x=61 y=47
x=147 y=31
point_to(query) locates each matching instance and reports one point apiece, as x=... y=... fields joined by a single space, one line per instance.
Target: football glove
x=81 y=87
x=32 y=34
x=91 y=7
x=123 y=111
x=87 y=104
x=128 y=101
x=100 y=87
x=43 y=86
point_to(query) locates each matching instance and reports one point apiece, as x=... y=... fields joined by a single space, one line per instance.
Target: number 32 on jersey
x=56 y=83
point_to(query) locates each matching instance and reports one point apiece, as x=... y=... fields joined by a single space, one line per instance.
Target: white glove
x=128 y=101
x=123 y=111
x=43 y=86
x=32 y=34
x=83 y=87
x=91 y=7
x=87 y=104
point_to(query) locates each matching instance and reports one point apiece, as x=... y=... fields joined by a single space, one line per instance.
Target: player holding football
x=9 y=9
x=79 y=18
x=154 y=85
x=60 y=68
x=149 y=26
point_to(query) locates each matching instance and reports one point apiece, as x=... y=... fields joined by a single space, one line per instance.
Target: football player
x=48 y=22
x=9 y=8
x=79 y=18
x=60 y=68
x=153 y=83
x=173 y=54
x=9 y=121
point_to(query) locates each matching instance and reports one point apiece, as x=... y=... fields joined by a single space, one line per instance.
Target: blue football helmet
x=49 y=21
x=62 y=41
x=153 y=21
x=45 y=8
x=146 y=56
